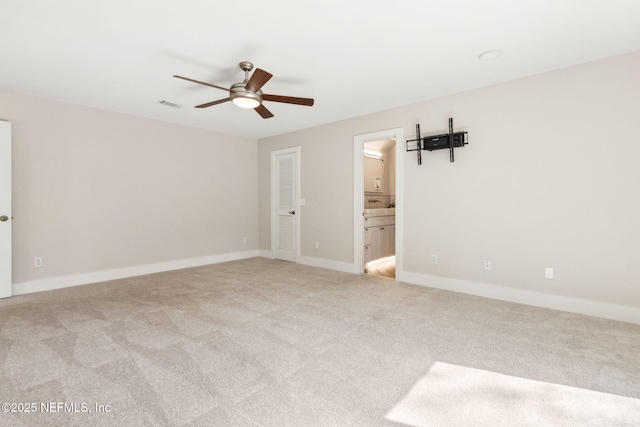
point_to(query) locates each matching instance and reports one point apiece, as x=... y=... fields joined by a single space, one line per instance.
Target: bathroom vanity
x=379 y=235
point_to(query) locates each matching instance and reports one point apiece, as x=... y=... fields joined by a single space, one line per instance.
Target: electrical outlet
x=244 y=240
x=548 y=273
x=434 y=259
x=487 y=265
x=37 y=262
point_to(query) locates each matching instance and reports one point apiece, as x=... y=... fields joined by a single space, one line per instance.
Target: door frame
x=6 y=282
x=358 y=195
x=296 y=200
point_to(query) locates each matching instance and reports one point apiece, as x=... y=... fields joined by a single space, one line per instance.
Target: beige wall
x=374 y=168
x=386 y=169
x=96 y=190
x=390 y=165
x=326 y=185
x=549 y=179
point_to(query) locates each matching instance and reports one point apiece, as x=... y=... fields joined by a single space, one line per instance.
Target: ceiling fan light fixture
x=246 y=102
x=248 y=94
x=245 y=98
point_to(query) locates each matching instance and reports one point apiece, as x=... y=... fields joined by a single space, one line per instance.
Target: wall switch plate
x=302 y=202
x=548 y=273
x=317 y=245
x=244 y=239
x=487 y=265
x=434 y=259
x=37 y=262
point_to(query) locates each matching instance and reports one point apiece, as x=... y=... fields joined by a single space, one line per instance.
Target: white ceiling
x=353 y=57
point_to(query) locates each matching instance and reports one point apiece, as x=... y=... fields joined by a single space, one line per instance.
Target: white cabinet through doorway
x=379 y=237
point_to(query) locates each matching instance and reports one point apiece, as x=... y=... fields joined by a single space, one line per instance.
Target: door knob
x=4 y=218
x=292 y=212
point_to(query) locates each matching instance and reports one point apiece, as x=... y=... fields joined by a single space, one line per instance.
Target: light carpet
x=260 y=342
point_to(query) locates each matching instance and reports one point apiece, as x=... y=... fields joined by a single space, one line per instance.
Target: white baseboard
x=555 y=302
x=265 y=253
x=121 y=273
x=345 y=267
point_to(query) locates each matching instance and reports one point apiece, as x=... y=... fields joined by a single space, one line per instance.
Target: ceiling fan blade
x=202 y=83
x=258 y=79
x=288 y=99
x=262 y=110
x=209 y=104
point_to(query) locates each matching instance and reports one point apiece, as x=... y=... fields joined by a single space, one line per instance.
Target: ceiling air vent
x=169 y=104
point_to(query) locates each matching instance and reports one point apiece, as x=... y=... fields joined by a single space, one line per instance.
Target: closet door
x=286 y=202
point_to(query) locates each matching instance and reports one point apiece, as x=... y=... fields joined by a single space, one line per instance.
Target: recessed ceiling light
x=490 y=55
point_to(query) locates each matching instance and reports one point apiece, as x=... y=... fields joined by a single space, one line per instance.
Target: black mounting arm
x=418 y=144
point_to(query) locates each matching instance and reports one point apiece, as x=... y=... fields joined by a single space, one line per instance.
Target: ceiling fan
x=248 y=94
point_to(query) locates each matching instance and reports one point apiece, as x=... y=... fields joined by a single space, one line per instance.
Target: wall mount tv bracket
x=418 y=147
x=438 y=142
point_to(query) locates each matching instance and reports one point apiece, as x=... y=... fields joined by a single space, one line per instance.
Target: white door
x=285 y=186
x=5 y=209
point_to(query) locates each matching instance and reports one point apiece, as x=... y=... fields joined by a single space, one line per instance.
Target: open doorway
x=378 y=201
x=379 y=219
